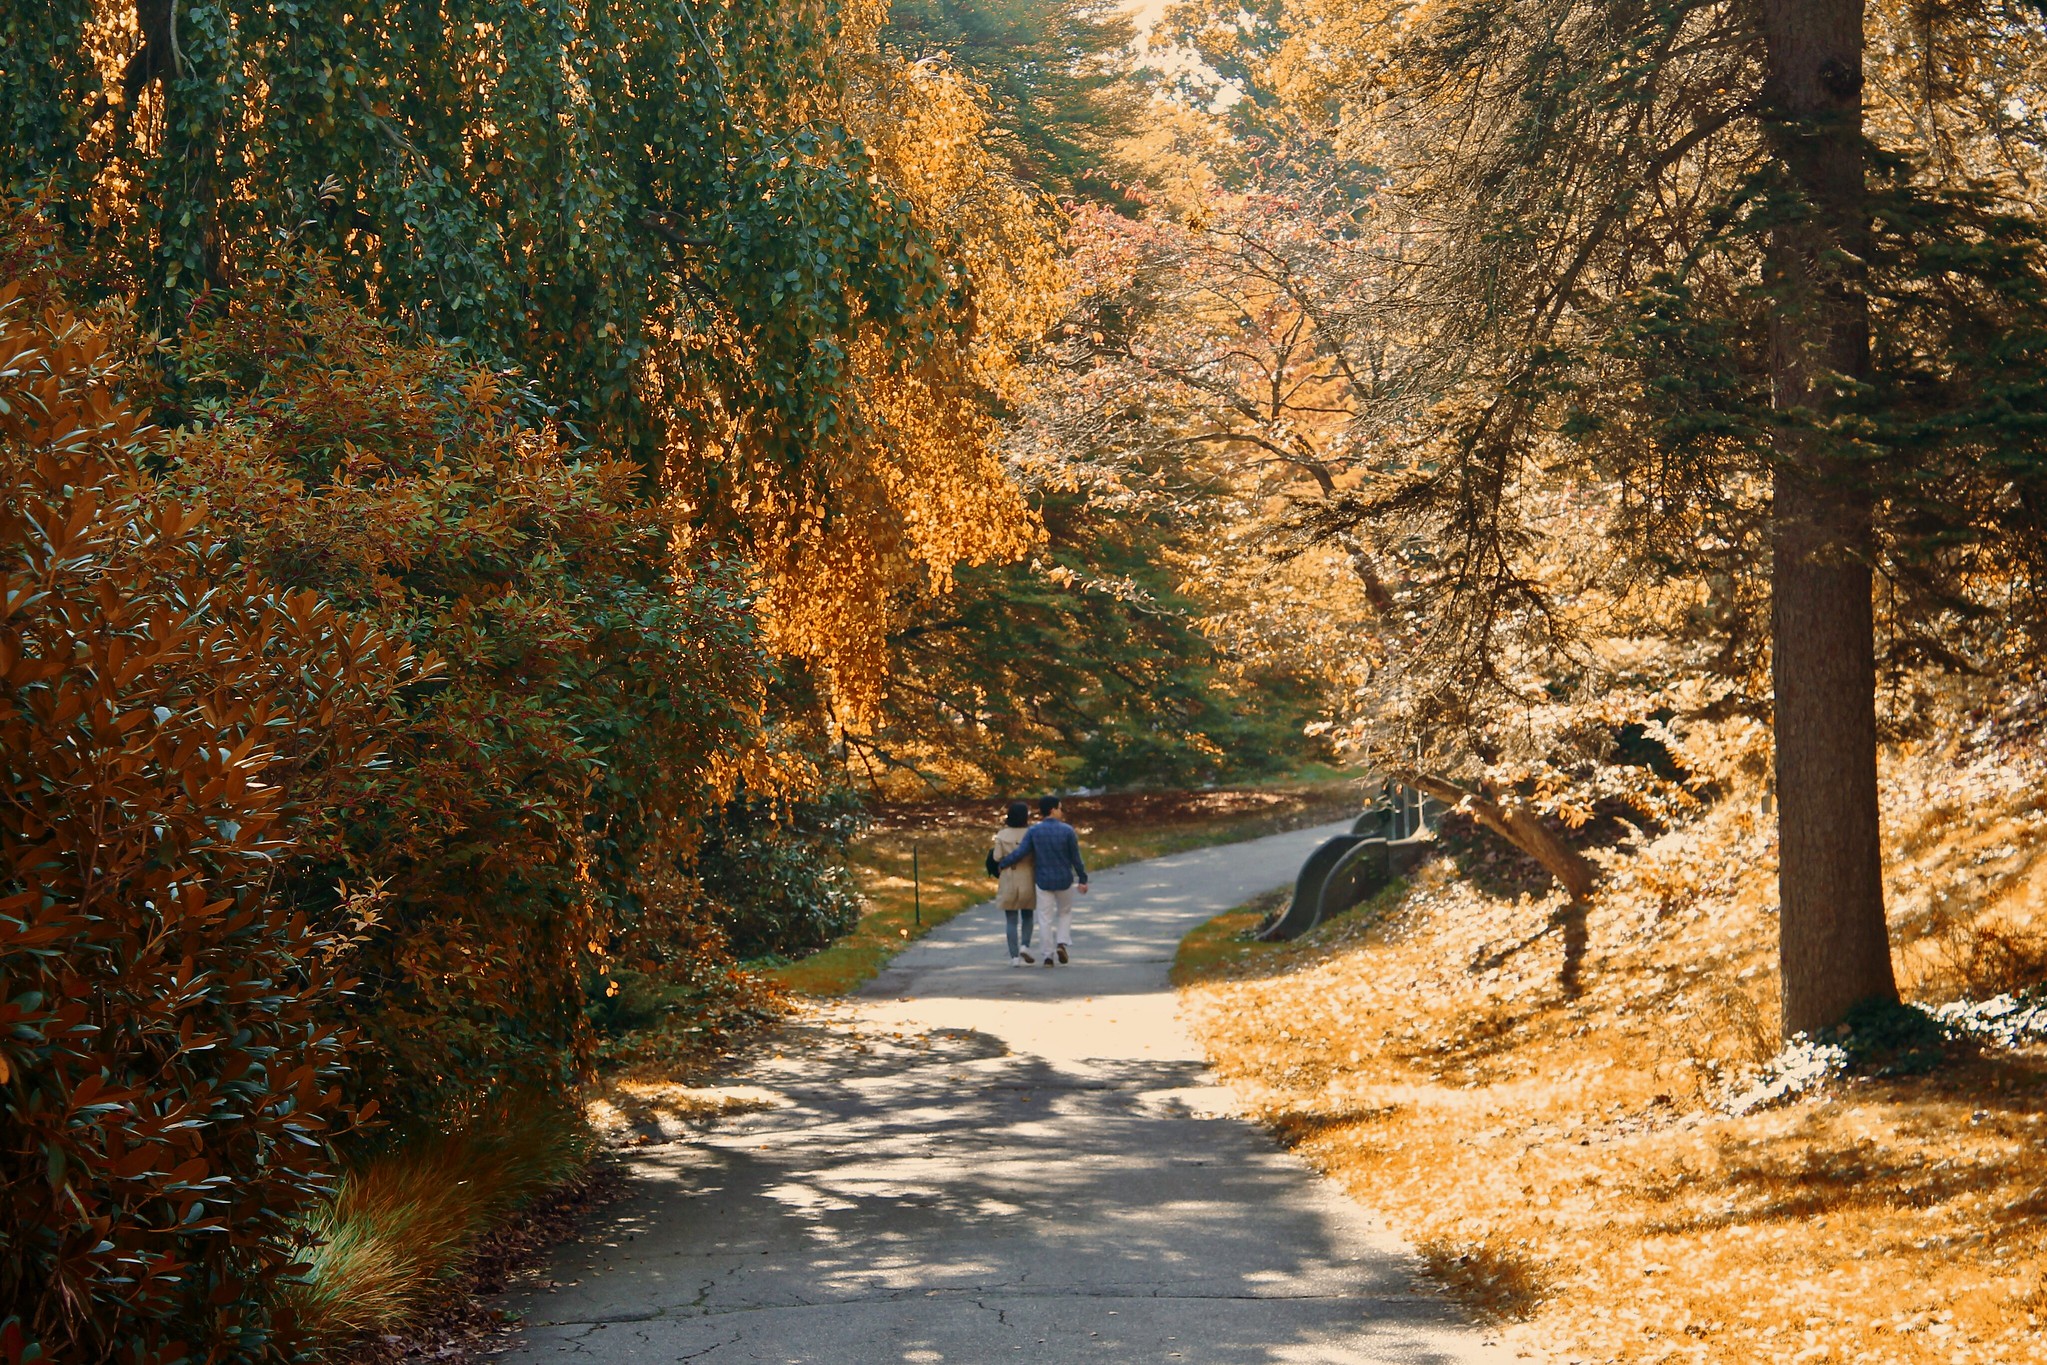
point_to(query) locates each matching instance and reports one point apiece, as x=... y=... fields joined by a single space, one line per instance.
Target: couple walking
x=1039 y=866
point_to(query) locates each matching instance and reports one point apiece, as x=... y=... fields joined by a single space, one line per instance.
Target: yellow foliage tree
x=915 y=487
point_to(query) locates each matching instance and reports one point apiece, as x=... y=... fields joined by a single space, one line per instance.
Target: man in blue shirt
x=1059 y=867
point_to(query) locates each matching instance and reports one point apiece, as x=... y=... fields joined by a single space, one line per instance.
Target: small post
x=916 y=886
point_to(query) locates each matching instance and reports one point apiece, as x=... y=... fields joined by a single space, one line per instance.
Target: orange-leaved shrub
x=169 y=1060
x=533 y=826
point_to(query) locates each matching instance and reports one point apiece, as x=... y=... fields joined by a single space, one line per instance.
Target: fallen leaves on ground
x=621 y=1109
x=1566 y=1166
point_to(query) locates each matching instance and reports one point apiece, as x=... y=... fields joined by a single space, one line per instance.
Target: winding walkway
x=977 y=1163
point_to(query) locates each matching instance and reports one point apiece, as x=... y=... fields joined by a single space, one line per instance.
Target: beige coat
x=1018 y=889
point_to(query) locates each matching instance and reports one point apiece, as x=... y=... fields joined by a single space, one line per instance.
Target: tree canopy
x=1056 y=71
x=489 y=482
x=593 y=195
x=1651 y=386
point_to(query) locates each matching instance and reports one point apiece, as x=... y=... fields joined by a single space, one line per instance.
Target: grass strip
x=1215 y=946
x=1223 y=948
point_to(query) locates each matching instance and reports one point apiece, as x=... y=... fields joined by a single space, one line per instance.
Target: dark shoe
x=1027 y=957
x=1051 y=962
x=1062 y=952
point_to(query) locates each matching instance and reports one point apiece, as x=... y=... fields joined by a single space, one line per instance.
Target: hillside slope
x=1623 y=1174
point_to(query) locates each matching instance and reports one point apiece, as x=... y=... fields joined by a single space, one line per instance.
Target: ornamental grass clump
x=404 y=1222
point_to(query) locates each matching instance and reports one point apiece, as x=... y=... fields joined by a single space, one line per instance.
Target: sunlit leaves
x=597 y=699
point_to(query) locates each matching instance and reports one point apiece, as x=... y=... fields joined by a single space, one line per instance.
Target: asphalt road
x=978 y=1163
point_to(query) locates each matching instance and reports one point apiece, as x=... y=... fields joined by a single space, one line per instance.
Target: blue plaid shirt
x=1057 y=849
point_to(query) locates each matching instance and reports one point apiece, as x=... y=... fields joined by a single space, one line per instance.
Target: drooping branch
x=1520 y=826
x=661 y=224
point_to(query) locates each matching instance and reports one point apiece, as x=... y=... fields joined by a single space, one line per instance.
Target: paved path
x=983 y=1163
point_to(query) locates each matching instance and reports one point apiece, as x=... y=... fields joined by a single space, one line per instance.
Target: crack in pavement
x=975 y=1295
x=714 y=1346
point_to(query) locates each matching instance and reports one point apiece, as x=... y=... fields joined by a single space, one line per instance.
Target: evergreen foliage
x=601 y=388
x=1086 y=667
x=1777 y=347
x=529 y=825
x=170 y=725
x=773 y=872
x=1057 y=72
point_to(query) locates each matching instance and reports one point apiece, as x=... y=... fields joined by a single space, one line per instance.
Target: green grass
x=1225 y=941
x=952 y=878
x=951 y=842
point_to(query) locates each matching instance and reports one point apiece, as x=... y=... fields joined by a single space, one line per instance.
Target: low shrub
x=1800 y=1068
x=533 y=825
x=1886 y=1038
x=1987 y=957
x=1877 y=1038
x=776 y=873
x=2006 y=1020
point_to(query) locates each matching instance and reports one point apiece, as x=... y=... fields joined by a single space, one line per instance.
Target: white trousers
x=1055 y=920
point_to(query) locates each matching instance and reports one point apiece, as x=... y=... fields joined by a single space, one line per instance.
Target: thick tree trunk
x=157 y=57
x=1833 y=946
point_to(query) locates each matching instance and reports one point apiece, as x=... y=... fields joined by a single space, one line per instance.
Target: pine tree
x=1654 y=250
x=1834 y=946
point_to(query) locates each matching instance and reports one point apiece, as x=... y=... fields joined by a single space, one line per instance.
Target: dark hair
x=1019 y=815
x=1047 y=804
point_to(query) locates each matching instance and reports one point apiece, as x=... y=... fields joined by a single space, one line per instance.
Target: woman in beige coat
x=1017 y=893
